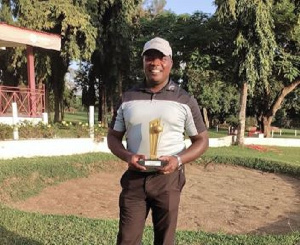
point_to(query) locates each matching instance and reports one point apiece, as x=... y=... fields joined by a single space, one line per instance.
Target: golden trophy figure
x=155 y=128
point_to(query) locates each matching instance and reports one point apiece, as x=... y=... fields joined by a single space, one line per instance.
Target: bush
x=29 y=130
x=233 y=121
x=6 y=131
x=251 y=121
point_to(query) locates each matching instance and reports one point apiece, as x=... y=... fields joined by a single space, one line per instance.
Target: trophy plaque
x=155 y=128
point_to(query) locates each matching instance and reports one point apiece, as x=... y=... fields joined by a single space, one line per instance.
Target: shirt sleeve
x=117 y=122
x=194 y=122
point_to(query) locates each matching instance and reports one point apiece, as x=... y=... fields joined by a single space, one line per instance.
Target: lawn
x=79 y=116
x=17 y=183
x=31 y=228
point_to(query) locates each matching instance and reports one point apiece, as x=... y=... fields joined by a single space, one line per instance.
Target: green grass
x=18 y=227
x=287 y=133
x=79 y=116
x=284 y=160
x=213 y=133
x=288 y=155
x=22 y=177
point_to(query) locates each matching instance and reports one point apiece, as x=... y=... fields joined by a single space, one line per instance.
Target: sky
x=190 y=6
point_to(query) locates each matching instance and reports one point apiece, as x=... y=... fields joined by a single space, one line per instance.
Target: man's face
x=157 y=66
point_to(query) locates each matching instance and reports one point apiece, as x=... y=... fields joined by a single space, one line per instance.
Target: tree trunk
x=62 y=109
x=269 y=114
x=56 y=107
x=120 y=85
x=205 y=117
x=59 y=70
x=47 y=104
x=267 y=125
x=104 y=108
x=101 y=106
x=242 y=114
x=100 y=112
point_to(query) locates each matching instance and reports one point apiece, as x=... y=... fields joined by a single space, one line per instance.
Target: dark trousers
x=144 y=191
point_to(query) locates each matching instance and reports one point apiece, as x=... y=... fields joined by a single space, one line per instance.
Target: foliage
x=257 y=43
x=218 y=97
x=233 y=121
x=254 y=40
x=155 y=7
x=199 y=55
x=28 y=130
x=288 y=115
x=110 y=67
x=65 y=18
x=85 y=80
x=281 y=94
x=254 y=47
x=5 y=131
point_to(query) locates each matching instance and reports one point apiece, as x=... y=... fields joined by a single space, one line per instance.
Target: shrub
x=6 y=131
x=29 y=130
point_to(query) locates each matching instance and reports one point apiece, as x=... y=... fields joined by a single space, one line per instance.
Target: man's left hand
x=172 y=164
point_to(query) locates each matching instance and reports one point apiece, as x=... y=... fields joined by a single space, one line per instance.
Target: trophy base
x=152 y=163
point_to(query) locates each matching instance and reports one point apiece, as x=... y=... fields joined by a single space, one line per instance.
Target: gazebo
x=30 y=100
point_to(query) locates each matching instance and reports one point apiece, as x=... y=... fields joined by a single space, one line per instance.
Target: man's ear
x=171 y=62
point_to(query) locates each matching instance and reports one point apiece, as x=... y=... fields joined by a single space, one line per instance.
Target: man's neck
x=156 y=87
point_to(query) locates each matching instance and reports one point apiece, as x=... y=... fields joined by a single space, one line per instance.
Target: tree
x=155 y=7
x=203 y=46
x=111 y=62
x=200 y=49
x=286 y=70
x=254 y=46
x=66 y=18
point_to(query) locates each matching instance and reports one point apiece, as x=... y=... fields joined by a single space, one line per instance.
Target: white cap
x=159 y=44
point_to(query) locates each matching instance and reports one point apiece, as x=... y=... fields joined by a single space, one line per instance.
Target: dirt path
x=217 y=198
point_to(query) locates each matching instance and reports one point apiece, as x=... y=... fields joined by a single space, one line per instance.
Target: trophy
x=155 y=128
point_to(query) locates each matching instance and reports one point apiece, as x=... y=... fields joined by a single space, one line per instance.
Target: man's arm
x=114 y=140
x=196 y=149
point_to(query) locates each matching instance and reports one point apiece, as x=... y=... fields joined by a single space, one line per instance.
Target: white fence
x=55 y=147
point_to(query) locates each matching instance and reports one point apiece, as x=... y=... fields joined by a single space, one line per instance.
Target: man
x=158 y=188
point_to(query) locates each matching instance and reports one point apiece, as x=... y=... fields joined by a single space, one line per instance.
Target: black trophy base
x=152 y=163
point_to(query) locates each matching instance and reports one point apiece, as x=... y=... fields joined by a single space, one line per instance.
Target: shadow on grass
x=10 y=238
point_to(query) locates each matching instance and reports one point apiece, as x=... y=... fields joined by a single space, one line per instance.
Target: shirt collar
x=170 y=86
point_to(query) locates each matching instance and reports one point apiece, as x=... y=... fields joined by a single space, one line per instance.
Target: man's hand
x=114 y=139
x=133 y=162
x=172 y=164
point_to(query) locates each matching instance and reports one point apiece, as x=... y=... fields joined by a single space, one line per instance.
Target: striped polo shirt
x=178 y=112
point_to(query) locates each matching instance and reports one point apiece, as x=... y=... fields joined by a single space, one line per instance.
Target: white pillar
x=91 y=121
x=45 y=117
x=15 y=121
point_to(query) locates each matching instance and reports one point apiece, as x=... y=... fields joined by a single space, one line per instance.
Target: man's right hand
x=133 y=162
x=114 y=140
